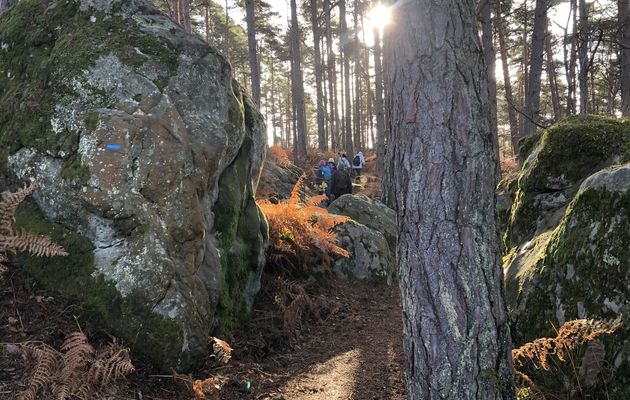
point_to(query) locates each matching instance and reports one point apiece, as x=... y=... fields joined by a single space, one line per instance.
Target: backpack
x=326 y=173
x=343 y=183
x=356 y=161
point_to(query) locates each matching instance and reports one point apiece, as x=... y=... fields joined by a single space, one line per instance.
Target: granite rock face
x=148 y=156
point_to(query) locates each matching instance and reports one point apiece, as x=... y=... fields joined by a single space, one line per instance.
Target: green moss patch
x=46 y=45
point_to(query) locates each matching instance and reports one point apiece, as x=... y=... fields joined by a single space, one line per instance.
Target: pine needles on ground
x=12 y=241
x=78 y=371
x=300 y=234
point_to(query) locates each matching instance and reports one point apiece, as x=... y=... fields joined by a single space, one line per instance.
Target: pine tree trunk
x=552 y=78
x=507 y=83
x=380 y=116
x=332 y=81
x=456 y=334
x=272 y=98
x=297 y=84
x=532 y=96
x=250 y=16
x=321 y=135
x=207 y=21
x=490 y=61
x=185 y=16
x=347 y=93
x=357 y=83
x=624 y=23
x=571 y=106
x=584 y=39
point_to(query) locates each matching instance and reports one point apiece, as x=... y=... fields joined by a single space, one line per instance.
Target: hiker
x=358 y=162
x=323 y=177
x=344 y=161
x=331 y=165
x=341 y=182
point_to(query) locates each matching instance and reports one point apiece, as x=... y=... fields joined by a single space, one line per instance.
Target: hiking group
x=334 y=180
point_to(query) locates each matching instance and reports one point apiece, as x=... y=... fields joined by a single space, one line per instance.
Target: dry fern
x=77 y=372
x=11 y=241
x=301 y=234
x=538 y=354
x=294 y=303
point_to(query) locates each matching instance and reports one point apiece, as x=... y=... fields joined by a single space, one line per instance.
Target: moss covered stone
x=580 y=269
x=148 y=156
x=560 y=159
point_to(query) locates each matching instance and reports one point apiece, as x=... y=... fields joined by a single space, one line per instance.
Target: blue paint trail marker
x=113 y=147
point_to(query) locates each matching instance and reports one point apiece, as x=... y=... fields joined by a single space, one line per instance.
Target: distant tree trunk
x=226 y=37
x=552 y=77
x=297 y=84
x=380 y=116
x=250 y=16
x=273 y=101
x=509 y=99
x=332 y=81
x=185 y=16
x=584 y=39
x=456 y=334
x=321 y=134
x=570 y=67
x=624 y=23
x=522 y=90
x=532 y=96
x=489 y=60
x=207 y=21
x=5 y=5
x=347 y=93
x=357 y=82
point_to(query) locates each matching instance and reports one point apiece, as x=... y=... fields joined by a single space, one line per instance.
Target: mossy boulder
x=560 y=158
x=148 y=156
x=371 y=213
x=370 y=256
x=579 y=269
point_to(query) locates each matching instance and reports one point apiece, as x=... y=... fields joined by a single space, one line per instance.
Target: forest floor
x=355 y=352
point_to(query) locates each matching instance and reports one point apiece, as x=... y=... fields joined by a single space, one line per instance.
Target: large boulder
x=148 y=156
x=371 y=213
x=559 y=160
x=369 y=237
x=567 y=241
x=369 y=254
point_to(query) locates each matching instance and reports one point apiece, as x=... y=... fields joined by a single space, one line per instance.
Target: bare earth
x=356 y=353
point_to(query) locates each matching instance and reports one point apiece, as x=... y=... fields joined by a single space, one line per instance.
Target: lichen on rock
x=148 y=155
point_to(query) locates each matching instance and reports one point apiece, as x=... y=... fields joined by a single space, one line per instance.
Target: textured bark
x=380 y=116
x=489 y=60
x=317 y=54
x=584 y=35
x=297 y=86
x=356 y=129
x=347 y=92
x=254 y=67
x=456 y=334
x=332 y=81
x=570 y=60
x=207 y=21
x=185 y=15
x=624 y=22
x=553 y=79
x=5 y=5
x=507 y=83
x=532 y=96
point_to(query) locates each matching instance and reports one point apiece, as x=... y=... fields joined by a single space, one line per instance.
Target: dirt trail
x=355 y=354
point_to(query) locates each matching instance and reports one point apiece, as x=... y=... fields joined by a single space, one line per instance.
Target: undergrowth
x=301 y=240
x=12 y=241
x=78 y=371
x=573 y=362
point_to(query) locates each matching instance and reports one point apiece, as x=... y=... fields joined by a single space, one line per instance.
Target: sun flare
x=379 y=16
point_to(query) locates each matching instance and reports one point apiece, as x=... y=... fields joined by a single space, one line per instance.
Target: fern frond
x=47 y=364
x=9 y=204
x=35 y=244
x=295 y=193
